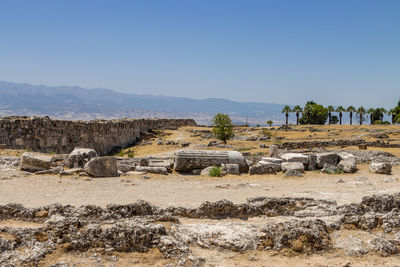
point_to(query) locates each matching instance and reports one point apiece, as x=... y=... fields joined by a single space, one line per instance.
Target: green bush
x=216 y=171
x=381 y=122
x=314 y=114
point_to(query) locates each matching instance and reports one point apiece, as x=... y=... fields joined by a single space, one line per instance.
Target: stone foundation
x=43 y=134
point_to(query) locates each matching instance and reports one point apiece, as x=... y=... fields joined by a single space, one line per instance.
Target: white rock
x=380 y=167
x=33 y=162
x=295 y=157
x=297 y=166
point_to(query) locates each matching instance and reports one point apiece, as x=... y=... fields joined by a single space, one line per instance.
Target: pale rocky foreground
x=319 y=219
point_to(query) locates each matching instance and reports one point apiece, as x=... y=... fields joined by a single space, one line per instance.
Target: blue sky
x=335 y=52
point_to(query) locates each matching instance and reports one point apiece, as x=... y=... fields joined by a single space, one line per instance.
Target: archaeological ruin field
x=168 y=193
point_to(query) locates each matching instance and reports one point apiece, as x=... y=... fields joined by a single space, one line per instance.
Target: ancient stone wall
x=60 y=136
x=341 y=143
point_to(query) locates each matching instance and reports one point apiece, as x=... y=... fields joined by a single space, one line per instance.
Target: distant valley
x=64 y=102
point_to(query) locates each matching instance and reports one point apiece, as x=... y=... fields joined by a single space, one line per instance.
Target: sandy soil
x=179 y=190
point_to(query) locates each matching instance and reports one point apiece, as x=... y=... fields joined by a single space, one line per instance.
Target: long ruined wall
x=61 y=136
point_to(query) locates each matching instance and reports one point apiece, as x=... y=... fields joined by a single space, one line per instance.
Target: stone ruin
x=43 y=134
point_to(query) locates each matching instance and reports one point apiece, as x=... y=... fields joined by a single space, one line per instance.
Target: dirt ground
x=182 y=190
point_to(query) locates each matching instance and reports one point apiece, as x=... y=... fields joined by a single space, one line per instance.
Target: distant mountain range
x=66 y=102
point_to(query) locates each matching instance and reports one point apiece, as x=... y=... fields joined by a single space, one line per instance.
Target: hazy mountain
x=79 y=103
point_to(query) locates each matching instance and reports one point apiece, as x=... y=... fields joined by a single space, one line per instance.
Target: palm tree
x=330 y=110
x=361 y=112
x=298 y=110
x=351 y=109
x=286 y=109
x=370 y=111
x=340 y=109
x=393 y=113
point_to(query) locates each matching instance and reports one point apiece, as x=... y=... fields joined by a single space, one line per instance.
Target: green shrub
x=267 y=134
x=216 y=171
x=381 y=122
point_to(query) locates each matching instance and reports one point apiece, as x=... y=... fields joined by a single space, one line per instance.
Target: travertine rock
x=102 y=167
x=79 y=157
x=380 y=167
x=33 y=162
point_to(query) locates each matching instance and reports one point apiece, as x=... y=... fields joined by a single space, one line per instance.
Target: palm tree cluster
x=375 y=114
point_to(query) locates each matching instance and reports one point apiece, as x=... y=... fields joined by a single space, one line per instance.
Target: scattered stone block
x=273 y=150
x=102 y=167
x=295 y=157
x=326 y=158
x=79 y=157
x=33 y=162
x=232 y=169
x=265 y=168
x=329 y=169
x=271 y=160
x=148 y=169
x=347 y=166
x=297 y=166
x=380 y=167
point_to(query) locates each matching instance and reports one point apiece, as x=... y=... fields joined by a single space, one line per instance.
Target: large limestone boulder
x=295 y=157
x=330 y=158
x=102 y=167
x=33 y=162
x=347 y=157
x=148 y=169
x=347 y=166
x=380 y=167
x=297 y=166
x=265 y=168
x=79 y=157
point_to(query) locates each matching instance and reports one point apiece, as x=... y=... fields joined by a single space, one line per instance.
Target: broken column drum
x=186 y=161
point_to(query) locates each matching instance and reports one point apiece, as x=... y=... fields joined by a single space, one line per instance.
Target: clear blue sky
x=334 y=52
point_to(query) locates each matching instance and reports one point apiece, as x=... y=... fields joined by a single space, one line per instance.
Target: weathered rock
x=347 y=166
x=79 y=157
x=206 y=171
x=232 y=169
x=33 y=162
x=102 y=167
x=166 y=163
x=380 y=167
x=383 y=246
x=326 y=158
x=272 y=160
x=295 y=157
x=273 y=150
x=312 y=162
x=329 y=169
x=186 y=161
x=125 y=167
x=265 y=168
x=296 y=166
x=345 y=156
x=148 y=169
x=293 y=173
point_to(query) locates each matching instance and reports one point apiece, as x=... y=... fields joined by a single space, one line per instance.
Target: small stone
x=293 y=173
x=390 y=179
x=145 y=177
x=339 y=181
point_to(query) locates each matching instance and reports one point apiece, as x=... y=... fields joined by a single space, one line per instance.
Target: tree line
x=313 y=113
